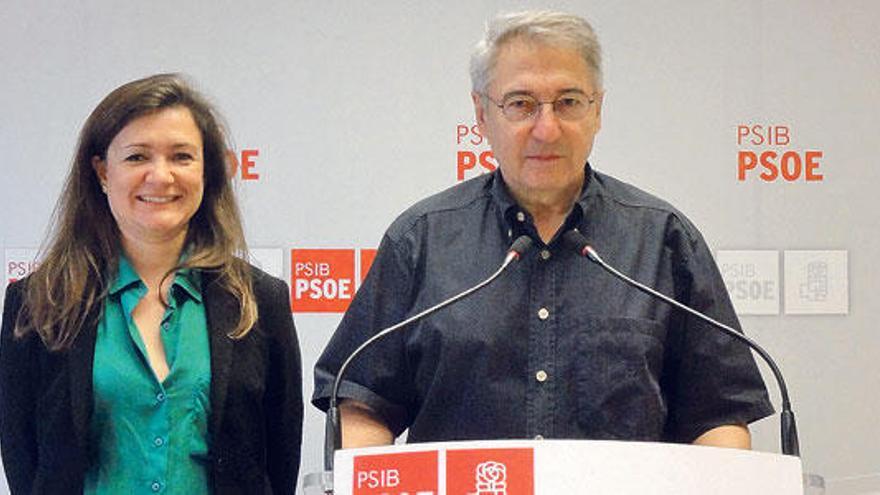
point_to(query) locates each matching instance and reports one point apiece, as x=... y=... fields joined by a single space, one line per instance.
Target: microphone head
x=522 y=244
x=576 y=241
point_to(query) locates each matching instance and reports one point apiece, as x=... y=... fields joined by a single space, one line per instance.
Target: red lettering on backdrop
x=811 y=158
x=759 y=135
x=246 y=165
x=467 y=134
x=16 y=270
x=771 y=164
x=471 y=153
x=392 y=474
x=490 y=471
x=322 y=280
x=467 y=160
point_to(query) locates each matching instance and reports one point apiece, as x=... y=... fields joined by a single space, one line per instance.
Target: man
x=555 y=347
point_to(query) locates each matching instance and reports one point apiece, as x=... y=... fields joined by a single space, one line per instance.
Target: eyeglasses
x=520 y=107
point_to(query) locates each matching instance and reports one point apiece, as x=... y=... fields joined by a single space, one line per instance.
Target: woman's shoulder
x=15 y=292
x=263 y=281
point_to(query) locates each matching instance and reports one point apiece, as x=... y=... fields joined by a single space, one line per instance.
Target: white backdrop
x=353 y=110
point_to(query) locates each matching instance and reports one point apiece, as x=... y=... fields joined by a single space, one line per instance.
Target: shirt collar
x=125 y=276
x=187 y=279
x=190 y=281
x=518 y=221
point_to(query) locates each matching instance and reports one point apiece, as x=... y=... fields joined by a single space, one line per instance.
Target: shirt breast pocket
x=617 y=378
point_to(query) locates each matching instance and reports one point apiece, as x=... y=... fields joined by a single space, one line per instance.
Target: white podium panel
x=544 y=467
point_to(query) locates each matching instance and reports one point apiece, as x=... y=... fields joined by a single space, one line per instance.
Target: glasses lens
x=571 y=107
x=519 y=107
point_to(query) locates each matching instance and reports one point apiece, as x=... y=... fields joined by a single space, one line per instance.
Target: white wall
x=353 y=107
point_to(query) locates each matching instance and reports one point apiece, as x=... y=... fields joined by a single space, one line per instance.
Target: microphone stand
x=788 y=426
x=333 y=426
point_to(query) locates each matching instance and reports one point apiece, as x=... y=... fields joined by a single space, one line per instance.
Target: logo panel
x=408 y=473
x=490 y=472
x=816 y=282
x=322 y=280
x=752 y=280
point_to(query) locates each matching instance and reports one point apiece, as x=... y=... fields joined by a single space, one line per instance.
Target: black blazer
x=255 y=424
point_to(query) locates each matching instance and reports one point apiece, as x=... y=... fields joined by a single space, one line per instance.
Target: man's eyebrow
x=522 y=92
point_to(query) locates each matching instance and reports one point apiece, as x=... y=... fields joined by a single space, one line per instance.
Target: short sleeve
x=378 y=377
x=713 y=379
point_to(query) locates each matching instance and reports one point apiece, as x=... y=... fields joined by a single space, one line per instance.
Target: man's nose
x=546 y=125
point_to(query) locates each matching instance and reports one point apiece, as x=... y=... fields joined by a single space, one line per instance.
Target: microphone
x=788 y=428
x=332 y=427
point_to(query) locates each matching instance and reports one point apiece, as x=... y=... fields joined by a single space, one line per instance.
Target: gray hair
x=546 y=27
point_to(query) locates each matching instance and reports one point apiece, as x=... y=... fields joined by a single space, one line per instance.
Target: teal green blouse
x=151 y=436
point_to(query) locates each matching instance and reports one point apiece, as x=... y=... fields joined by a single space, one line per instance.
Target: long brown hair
x=66 y=292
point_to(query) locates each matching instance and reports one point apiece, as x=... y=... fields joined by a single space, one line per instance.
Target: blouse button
x=541 y=376
x=543 y=313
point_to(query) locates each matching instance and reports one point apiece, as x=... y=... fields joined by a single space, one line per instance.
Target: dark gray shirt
x=555 y=347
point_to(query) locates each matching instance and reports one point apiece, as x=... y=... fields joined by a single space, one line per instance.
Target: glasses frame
x=591 y=99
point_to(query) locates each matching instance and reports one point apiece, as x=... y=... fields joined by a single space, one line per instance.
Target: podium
x=544 y=467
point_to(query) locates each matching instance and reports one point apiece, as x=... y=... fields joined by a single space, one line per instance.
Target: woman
x=143 y=355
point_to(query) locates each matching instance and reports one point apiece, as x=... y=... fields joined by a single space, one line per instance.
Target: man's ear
x=600 y=98
x=479 y=111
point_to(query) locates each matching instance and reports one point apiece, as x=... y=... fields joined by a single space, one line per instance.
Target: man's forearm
x=732 y=436
x=361 y=427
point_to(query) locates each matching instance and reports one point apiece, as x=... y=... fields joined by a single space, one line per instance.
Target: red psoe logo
x=768 y=155
x=409 y=473
x=322 y=280
x=490 y=472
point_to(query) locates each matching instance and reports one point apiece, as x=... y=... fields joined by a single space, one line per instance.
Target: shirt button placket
x=541 y=375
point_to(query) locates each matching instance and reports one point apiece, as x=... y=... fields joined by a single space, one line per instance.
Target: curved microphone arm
x=788 y=426
x=333 y=426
